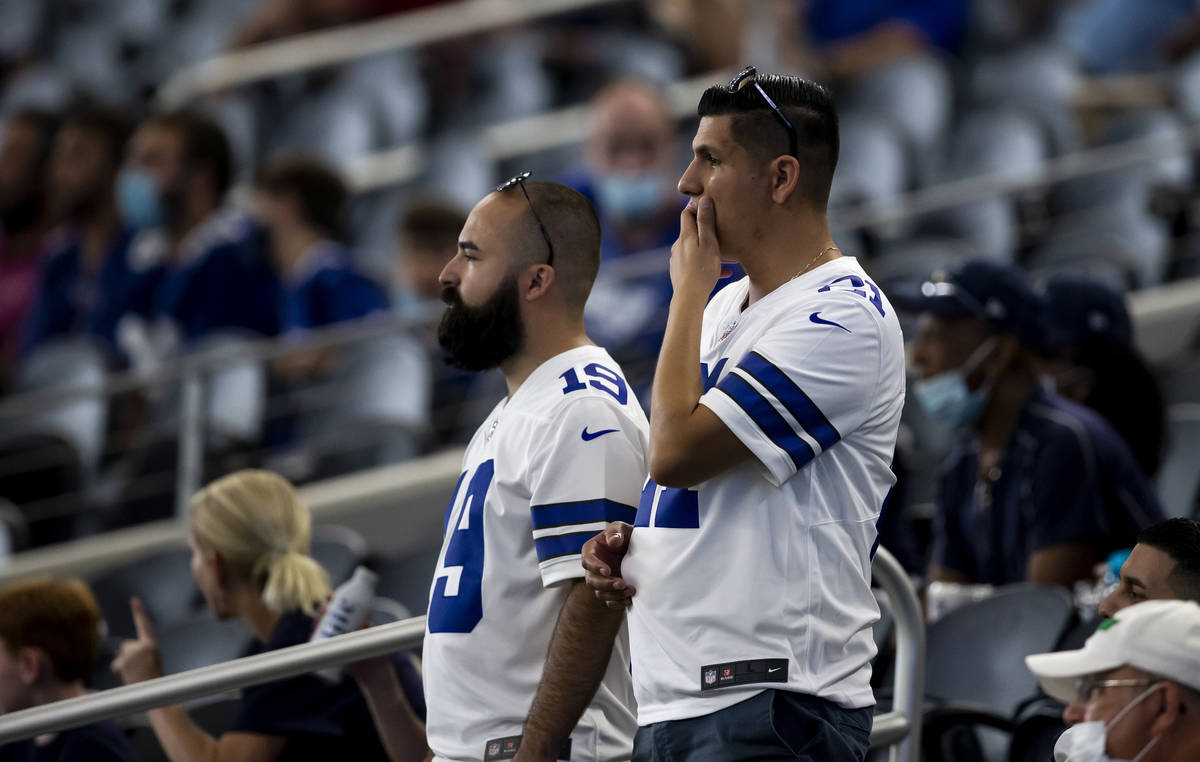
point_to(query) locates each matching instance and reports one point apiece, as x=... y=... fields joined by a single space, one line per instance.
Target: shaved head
x=574 y=231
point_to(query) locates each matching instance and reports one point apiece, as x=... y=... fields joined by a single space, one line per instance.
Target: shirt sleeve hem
x=776 y=467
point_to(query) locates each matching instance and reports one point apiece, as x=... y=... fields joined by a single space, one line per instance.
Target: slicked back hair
x=807 y=105
x=1180 y=539
x=574 y=230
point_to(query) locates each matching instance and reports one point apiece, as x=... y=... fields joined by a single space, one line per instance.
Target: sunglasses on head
x=747 y=75
x=520 y=180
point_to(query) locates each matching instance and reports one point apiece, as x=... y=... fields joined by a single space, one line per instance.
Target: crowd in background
x=136 y=242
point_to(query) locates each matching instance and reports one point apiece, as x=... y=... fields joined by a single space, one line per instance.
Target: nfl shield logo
x=710 y=677
x=492 y=429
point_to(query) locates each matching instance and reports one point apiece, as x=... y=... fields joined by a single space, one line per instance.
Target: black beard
x=480 y=338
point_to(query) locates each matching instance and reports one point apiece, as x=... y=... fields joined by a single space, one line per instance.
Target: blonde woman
x=249 y=535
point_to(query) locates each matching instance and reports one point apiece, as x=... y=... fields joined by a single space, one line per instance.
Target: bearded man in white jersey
x=520 y=661
x=773 y=422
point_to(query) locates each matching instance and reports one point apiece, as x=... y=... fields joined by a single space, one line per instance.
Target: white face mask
x=1088 y=741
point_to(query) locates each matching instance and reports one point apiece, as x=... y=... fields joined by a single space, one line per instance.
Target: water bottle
x=346 y=612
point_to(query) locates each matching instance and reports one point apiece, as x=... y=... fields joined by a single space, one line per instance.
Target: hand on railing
x=602 y=559
x=139 y=659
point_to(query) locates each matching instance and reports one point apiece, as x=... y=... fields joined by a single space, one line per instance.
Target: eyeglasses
x=736 y=83
x=520 y=180
x=1086 y=686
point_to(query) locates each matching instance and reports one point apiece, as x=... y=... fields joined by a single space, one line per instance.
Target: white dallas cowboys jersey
x=547 y=470
x=760 y=577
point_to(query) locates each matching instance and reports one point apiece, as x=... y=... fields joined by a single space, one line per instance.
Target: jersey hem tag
x=506 y=748
x=714 y=676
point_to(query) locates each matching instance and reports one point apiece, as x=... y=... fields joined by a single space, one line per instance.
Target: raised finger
x=141 y=620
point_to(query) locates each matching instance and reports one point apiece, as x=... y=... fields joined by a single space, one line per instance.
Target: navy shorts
x=774 y=725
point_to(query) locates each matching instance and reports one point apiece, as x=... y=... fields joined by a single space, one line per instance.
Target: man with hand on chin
x=773 y=423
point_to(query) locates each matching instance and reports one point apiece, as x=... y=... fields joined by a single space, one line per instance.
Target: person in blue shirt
x=95 y=275
x=250 y=533
x=1039 y=488
x=1090 y=355
x=49 y=634
x=301 y=204
x=177 y=171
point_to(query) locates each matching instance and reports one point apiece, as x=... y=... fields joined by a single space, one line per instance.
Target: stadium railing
x=898 y=729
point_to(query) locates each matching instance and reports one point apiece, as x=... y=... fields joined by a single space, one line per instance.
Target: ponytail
x=257 y=523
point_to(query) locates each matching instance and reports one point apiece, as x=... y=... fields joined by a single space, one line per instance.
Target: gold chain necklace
x=820 y=254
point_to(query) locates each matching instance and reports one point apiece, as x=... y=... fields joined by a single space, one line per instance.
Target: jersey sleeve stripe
x=799 y=404
x=582 y=512
x=561 y=545
x=767 y=419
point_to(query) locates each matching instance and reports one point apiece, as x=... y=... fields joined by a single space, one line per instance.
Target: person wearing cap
x=1038 y=488
x=1089 y=354
x=1138 y=679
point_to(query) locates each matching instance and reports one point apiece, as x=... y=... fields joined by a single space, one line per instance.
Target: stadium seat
x=915 y=93
x=1179 y=477
x=388 y=610
x=874 y=168
x=201 y=640
x=339 y=550
x=236 y=395
x=162 y=580
x=407 y=579
x=68 y=365
x=1041 y=79
x=963 y=690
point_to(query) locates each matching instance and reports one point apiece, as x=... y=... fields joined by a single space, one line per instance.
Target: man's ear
x=1169 y=715
x=31 y=662
x=539 y=278
x=785 y=178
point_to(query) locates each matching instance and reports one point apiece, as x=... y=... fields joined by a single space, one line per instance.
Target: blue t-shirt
x=102 y=742
x=1066 y=476
x=73 y=302
x=328 y=290
x=321 y=721
x=943 y=22
x=222 y=280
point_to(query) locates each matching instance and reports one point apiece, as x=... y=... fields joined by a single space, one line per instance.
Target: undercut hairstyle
x=574 y=229
x=317 y=188
x=433 y=224
x=1179 y=538
x=204 y=145
x=108 y=124
x=807 y=105
x=59 y=617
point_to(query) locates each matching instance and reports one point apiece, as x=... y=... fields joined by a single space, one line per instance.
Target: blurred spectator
x=49 y=633
x=301 y=203
x=1138 y=682
x=631 y=167
x=1092 y=360
x=249 y=534
x=1165 y=563
x=25 y=146
x=1039 y=488
x=177 y=171
x=95 y=276
x=428 y=239
x=1116 y=36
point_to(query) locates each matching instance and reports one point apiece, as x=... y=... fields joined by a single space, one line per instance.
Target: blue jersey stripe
x=799 y=404
x=582 y=512
x=767 y=419
x=561 y=545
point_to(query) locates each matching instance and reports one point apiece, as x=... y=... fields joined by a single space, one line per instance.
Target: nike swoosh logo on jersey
x=776 y=669
x=590 y=435
x=816 y=318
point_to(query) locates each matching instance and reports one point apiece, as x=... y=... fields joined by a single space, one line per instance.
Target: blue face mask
x=947 y=399
x=138 y=200
x=629 y=198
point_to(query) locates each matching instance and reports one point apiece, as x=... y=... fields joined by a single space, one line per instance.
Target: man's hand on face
x=696 y=255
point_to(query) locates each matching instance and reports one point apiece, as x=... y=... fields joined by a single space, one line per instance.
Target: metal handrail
x=353 y=41
x=899 y=728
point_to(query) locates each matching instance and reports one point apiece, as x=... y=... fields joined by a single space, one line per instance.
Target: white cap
x=1159 y=637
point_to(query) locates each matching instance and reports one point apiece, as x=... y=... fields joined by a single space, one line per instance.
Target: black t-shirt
x=102 y=742
x=322 y=721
